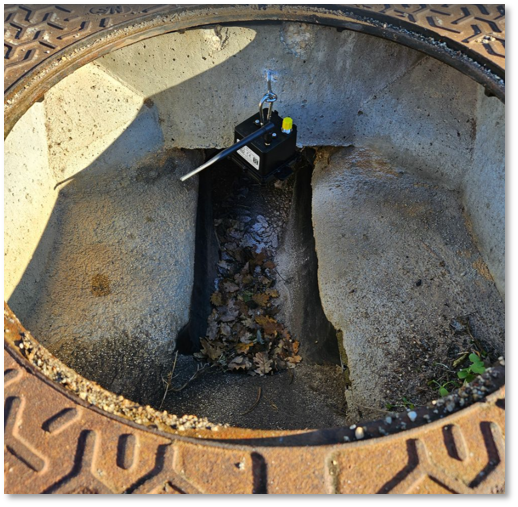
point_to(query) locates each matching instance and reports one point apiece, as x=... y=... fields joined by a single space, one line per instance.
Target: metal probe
x=225 y=153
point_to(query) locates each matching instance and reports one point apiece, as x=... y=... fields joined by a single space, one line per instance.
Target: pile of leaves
x=243 y=334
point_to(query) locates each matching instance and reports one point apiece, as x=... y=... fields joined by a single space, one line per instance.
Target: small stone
x=359 y=433
x=412 y=416
x=450 y=406
x=388 y=420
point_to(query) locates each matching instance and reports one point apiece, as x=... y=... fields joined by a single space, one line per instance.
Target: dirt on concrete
x=117 y=284
x=308 y=396
x=401 y=277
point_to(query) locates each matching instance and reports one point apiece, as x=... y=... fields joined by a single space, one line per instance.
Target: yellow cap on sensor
x=287 y=125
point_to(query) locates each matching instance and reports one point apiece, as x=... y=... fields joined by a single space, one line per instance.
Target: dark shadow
x=500 y=403
x=126 y=451
x=413 y=461
x=260 y=473
x=449 y=442
x=205 y=259
x=160 y=464
x=493 y=456
x=306 y=316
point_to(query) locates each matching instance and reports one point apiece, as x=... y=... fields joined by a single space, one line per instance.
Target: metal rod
x=225 y=153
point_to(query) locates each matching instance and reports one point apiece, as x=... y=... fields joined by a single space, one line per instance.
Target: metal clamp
x=269 y=98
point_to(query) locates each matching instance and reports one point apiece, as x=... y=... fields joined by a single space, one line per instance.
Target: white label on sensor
x=250 y=156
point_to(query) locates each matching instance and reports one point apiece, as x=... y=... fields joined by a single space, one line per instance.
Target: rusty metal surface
x=53 y=445
x=56 y=443
x=35 y=32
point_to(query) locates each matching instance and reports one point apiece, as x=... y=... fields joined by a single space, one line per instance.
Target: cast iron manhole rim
x=425 y=27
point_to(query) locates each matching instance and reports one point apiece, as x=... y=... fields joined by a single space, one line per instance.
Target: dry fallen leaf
x=230 y=287
x=212 y=329
x=213 y=352
x=293 y=361
x=242 y=319
x=262 y=363
x=248 y=279
x=239 y=363
x=259 y=257
x=261 y=299
x=246 y=338
x=265 y=281
x=228 y=313
x=225 y=329
x=270 y=326
x=243 y=347
x=216 y=299
x=248 y=322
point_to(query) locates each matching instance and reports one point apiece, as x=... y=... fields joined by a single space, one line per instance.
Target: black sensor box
x=265 y=161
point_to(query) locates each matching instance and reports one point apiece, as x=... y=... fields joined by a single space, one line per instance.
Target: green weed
x=475 y=368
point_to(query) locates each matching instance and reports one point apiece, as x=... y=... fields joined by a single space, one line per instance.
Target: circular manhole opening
x=367 y=284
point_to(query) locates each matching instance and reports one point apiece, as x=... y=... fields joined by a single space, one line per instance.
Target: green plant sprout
x=442 y=387
x=405 y=403
x=475 y=368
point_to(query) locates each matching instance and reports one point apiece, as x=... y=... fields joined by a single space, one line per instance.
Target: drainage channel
x=268 y=339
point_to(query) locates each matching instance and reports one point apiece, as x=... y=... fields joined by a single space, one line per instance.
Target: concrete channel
x=380 y=263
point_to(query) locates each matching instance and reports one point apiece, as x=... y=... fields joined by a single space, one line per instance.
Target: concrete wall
x=204 y=82
x=398 y=268
x=484 y=186
x=88 y=115
x=100 y=269
x=29 y=198
x=425 y=122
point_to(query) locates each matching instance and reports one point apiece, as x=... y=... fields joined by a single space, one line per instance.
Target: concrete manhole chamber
x=378 y=266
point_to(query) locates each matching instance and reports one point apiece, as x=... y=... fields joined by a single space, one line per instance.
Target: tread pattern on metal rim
x=32 y=33
x=55 y=446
